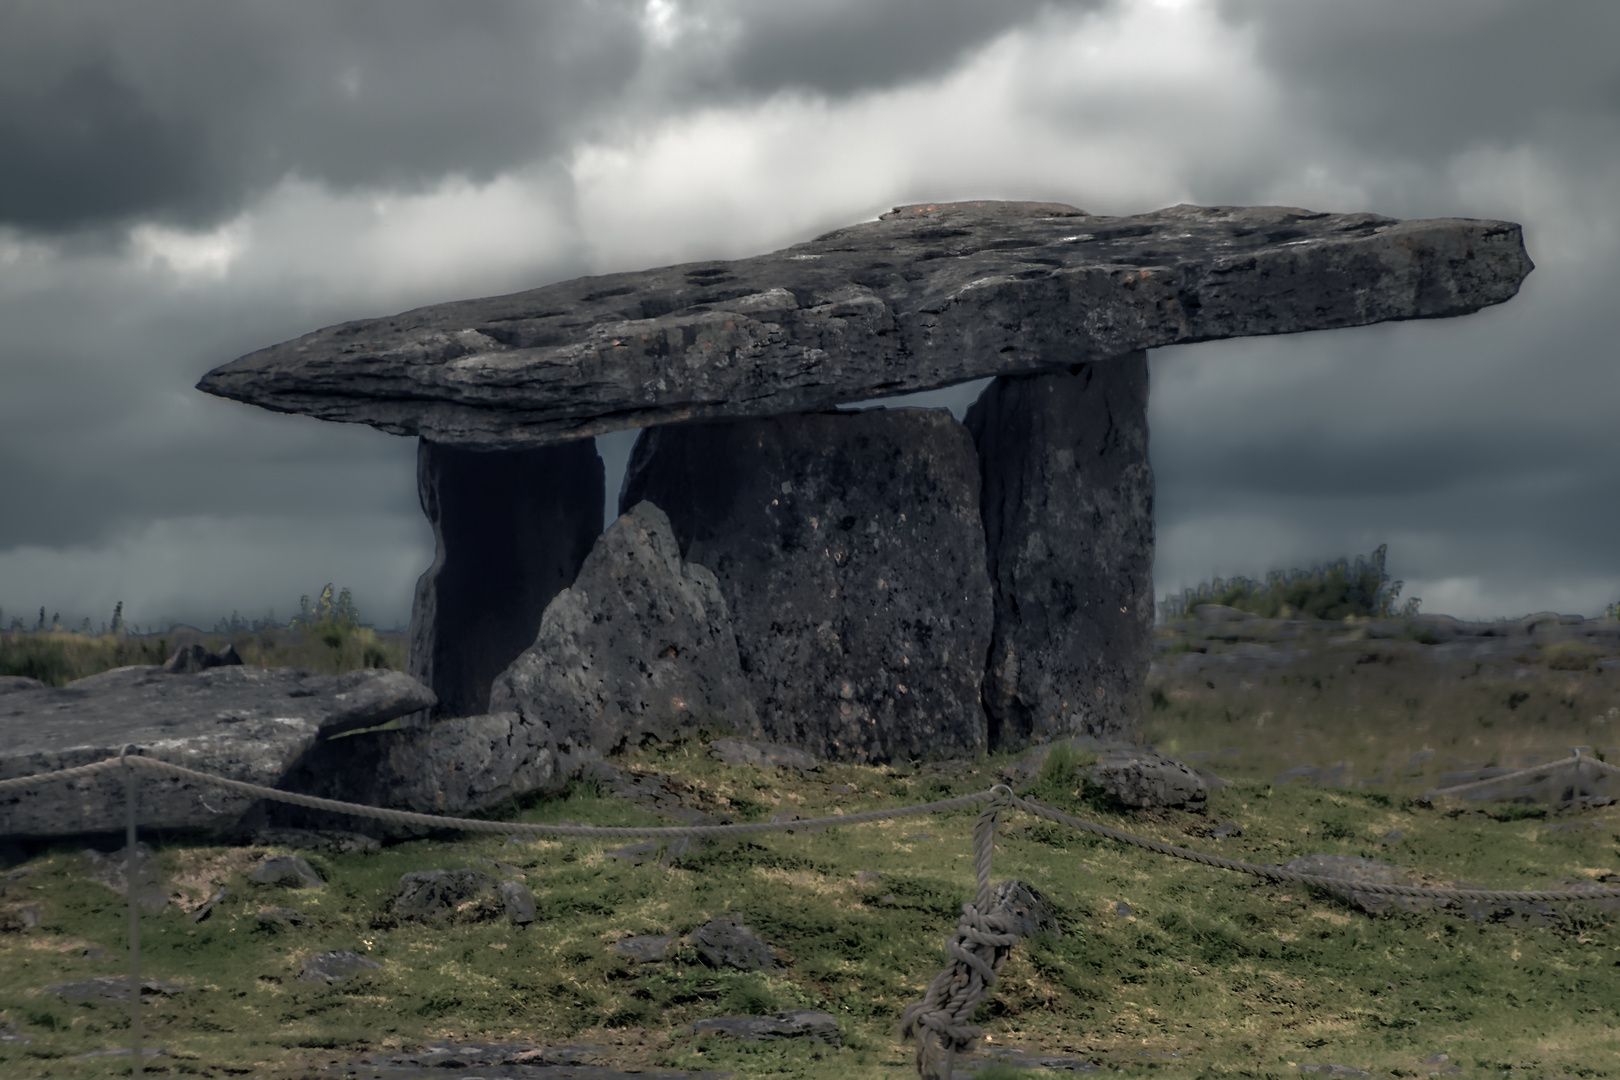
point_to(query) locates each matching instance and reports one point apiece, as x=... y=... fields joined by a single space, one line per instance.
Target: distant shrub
x=1331 y=592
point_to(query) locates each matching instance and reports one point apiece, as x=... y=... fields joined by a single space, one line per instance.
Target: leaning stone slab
x=851 y=556
x=926 y=296
x=242 y=723
x=640 y=649
x=1068 y=517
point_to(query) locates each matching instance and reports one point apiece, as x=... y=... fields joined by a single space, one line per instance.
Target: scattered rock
x=1067 y=503
x=288 y=871
x=639 y=649
x=1145 y=779
x=725 y=942
x=462 y=895
x=1019 y=1058
x=850 y=552
x=646 y=949
x=868 y=877
x=1122 y=909
x=207 y=907
x=12 y=684
x=336 y=967
x=1344 y=1071
x=792 y=1024
x=111 y=988
x=1228 y=830
x=510 y=528
x=518 y=901
x=1032 y=911
x=281 y=918
x=11 y=1034
x=926 y=296
x=638 y=853
x=762 y=755
x=151 y=891
x=242 y=722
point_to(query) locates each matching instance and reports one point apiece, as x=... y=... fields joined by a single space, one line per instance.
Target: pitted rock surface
x=926 y=296
x=639 y=650
x=244 y=723
x=510 y=530
x=851 y=556
x=462 y=895
x=1068 y=517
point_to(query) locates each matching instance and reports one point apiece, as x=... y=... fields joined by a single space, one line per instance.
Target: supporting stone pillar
x=511 y=529
x=1068 y=518
x=850 y=552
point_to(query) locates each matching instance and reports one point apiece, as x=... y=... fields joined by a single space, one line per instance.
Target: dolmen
x=871 y=585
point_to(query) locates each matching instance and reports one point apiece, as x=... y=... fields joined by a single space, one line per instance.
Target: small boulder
x=151 y=892
x=725 y=942
x=645 y=949
x=336 y=967
x=1032 y=911
x=791 y=1024
x=1146 y=779
x=462 y=895
x=280 y=918
x=288 y=871
x=519 y=902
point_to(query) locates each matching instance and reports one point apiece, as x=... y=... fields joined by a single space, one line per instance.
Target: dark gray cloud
x=1423 y=81
x=182 y=111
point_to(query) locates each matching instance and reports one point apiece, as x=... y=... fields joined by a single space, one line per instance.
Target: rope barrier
x=1577 y=761
x=942 y=1022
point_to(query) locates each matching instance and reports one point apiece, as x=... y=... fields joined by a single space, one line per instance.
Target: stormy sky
x=184 y=182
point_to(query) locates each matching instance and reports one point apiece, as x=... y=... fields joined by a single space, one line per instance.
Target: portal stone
x=511 y=530
x=849 y=549
x=1068 y=519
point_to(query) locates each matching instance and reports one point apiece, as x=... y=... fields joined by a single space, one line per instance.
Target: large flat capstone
x=926 y=296
x=242 y=723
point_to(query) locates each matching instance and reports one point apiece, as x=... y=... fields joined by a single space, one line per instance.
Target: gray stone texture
x=727 y=943
x=450 y=767
x=851 y=555
x=459 y=895
x=640 y=649
x=510 y=531
x=243 y=723
x=926 y=296
x=1147 y=780
x=1067 y=501
x=287 y=871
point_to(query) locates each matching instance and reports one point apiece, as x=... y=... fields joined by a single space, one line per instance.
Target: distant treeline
x=1323 y=592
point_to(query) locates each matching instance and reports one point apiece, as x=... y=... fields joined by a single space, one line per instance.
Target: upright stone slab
x=851 y=555
x=1068 y=519
x=511 y=529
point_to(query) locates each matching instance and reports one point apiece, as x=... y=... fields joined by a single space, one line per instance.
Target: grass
x=1202 y=973
x=57 y=659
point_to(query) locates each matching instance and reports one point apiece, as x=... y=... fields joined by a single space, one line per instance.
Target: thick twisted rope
x=942 y=1022
x=410 y=817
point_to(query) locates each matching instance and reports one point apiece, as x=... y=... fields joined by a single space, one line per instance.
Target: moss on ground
x=1199 y=973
